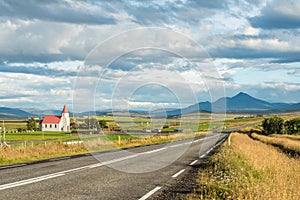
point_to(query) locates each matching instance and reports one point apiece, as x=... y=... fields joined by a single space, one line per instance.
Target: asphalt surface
x=135 y=173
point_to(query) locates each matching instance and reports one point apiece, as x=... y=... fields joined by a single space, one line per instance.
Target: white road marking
x=192 y=163
x=203 y=155
x=205 y=138
x=96 y=165
x=178 y=173
x=28 y=181
x=146 y=196
x=155 y=150
x=119 y=159
x=176 y=145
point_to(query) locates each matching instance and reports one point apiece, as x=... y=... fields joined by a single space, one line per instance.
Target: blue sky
x=250 y=46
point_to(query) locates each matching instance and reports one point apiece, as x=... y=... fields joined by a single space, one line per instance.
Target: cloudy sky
x=147 y=53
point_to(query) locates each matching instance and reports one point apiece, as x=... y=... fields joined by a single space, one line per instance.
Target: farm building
x=56 y=123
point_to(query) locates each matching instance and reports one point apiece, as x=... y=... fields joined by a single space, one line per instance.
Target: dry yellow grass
x=249 y=169
x=51 y=150
x=292 y=137
x=281 y=173
x=283 y=141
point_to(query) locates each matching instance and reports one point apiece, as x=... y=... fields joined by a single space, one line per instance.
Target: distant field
x=38 y=135
x=13 y=124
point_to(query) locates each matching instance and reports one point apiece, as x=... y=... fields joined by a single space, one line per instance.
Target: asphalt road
x=135 y=173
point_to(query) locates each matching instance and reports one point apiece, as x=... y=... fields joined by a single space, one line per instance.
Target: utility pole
x=3 y=143
x=3 y=131
x=0 y=137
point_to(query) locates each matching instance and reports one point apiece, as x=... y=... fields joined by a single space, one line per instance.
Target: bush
x=273 y=125
x=292 y=126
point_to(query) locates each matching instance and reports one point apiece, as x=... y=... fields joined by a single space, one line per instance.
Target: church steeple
x=65 y=119
x=65 y=110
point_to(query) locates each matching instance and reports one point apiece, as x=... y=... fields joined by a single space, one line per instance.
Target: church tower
x=65 y=119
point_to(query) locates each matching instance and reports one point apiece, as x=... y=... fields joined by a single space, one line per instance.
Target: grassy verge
x=248 y=169
x=285 y=143
x=28 y=154
x=292 y=137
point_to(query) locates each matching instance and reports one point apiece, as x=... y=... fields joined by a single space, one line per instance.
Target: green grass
x=108 y=118
x=12 y=125
x=37 y=135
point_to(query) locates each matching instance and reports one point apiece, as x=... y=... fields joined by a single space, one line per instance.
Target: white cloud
x=41 y=52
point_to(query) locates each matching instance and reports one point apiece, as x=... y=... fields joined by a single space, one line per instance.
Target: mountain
x=240 y=103
x=41 y=113
x=294 y=107
x=243 y=102
x=13 y=113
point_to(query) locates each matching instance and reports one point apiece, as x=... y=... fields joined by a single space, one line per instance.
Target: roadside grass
x=292 y=137
x=53 y=150
x=248 y=169
x=285 y=143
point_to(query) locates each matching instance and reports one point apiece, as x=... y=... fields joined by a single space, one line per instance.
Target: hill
x=12 y=113
x=240 y=103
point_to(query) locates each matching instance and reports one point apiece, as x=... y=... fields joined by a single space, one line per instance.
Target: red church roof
x=51 y=120
x=65 y=110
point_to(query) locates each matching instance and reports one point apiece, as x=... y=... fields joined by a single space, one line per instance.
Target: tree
x=91 y=123
x=102 y=124
x=273 y=125
x=292 y=126
x=73 y=123
x=31 y=124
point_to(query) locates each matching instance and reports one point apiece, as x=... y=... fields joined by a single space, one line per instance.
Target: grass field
x=12 y=125
x=284 y=141
x=248 y=169
x=38 y=135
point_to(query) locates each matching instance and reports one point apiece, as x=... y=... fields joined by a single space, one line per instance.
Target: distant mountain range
x=240 y=103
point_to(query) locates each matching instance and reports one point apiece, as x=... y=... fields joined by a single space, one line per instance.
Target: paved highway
x=135 y=173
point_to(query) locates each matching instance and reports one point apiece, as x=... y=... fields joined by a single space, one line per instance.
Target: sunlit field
x=249 y=169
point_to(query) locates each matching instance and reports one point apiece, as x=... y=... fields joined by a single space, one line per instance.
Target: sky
x=147 y=54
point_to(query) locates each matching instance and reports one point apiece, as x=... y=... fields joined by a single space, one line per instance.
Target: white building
x=56 y=123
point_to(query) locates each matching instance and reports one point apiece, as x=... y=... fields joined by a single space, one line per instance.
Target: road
x=135 y=173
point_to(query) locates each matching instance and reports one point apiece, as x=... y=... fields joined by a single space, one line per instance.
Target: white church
x=56 y=123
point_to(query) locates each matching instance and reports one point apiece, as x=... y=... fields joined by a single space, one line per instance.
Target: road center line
x=178 y=173
x=192 y=163
x=146 y=196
